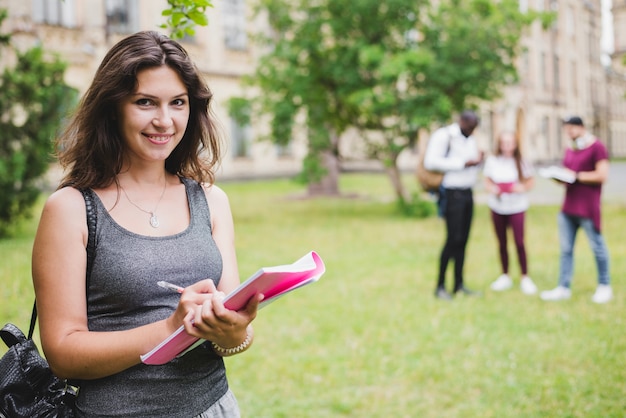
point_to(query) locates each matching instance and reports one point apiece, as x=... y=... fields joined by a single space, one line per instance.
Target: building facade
x=561 y=71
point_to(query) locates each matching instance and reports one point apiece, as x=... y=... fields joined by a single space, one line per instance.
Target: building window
x=542 y=71
x=240 y=139
x=523 y=6
x=234 y=24
x=557 y=74
x=574 y=77
x=559 y=142
x=55 y=12
x=545 y=134
x=569 y=22
x=284 y=150
x=121 y=16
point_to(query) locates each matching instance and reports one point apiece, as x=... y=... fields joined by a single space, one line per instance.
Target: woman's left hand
x=518 y=188
x=212 y=321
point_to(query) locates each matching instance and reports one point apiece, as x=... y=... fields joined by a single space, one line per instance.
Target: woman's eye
x=144 y=102
x=179 y=102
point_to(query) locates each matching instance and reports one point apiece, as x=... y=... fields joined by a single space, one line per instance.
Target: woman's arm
x=59 y=269
x=491 y=186
x=524 y=185
x=213 y=321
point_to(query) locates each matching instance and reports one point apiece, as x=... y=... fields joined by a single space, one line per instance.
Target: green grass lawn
x=370 y=340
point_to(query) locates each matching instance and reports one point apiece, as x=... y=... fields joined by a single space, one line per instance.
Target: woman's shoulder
x=66 y=198
x=214 y=193
x=65 y=210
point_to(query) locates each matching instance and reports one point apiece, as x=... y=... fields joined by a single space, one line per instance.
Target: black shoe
x=441 y=293
x=464 y=290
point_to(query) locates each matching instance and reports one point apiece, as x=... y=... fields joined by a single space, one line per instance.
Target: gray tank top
x=123 y=294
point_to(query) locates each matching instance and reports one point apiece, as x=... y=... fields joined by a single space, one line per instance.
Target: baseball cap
x=573 y=120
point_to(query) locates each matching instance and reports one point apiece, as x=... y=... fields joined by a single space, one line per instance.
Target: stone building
x=561 y=71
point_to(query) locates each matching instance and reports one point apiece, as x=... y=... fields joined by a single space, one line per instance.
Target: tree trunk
x=396 y=179
x=329 y=184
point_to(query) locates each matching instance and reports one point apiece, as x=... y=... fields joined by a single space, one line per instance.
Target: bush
x=32 y=105
x=417 y=207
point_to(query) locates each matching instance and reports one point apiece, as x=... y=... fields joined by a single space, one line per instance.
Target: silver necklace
x=154 y=221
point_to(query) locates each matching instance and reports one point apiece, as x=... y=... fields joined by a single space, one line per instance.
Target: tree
x=385 y=68
x=33 y=102
x=454 y=55
x=184 y=15
x=297 y=78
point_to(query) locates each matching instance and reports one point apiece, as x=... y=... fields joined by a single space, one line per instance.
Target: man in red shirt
x=587 y=158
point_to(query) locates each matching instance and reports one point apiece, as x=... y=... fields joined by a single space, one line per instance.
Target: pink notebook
x=273 y=282
x=506 y=187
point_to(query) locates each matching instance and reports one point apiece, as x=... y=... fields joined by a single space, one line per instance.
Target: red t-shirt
x=584 y=199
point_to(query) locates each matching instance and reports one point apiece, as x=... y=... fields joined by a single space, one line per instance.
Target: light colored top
x=452 y=160
x=503 y=171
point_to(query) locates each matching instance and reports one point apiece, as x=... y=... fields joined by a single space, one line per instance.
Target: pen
x=170 y=286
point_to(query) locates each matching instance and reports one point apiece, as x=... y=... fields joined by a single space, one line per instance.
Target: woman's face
x=153 y=118
x=507 y=145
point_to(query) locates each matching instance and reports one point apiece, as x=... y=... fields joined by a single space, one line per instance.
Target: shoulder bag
x=28 y=388
x=429 y=180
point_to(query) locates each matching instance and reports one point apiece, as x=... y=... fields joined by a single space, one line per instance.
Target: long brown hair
x=91 y=148
x=517 y=154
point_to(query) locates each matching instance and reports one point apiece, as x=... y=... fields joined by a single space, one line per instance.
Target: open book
x=272 y=282
x=558 y=173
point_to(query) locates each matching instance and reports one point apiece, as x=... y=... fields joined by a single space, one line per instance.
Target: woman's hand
x=190 y=298
x=212 y=321
x=518 y=188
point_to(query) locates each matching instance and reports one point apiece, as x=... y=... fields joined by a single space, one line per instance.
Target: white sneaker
x=603 y=294
x=503 y=282
x=558 y=293
x=528 y=286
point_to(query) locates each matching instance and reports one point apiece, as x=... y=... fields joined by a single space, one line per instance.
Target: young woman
x=143 y=141
x=507 y=178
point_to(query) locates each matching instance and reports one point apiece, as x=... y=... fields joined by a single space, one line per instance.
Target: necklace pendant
x=154 y=221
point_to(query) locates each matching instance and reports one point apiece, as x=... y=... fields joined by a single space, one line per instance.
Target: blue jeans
x=568 y=226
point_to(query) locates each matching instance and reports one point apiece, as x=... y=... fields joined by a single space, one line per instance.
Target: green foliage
x=240 y=110
x=4 y=37
x=312 y=169
x=184 y=15
x=385 y=68
x=416 y=207
x=32 y=105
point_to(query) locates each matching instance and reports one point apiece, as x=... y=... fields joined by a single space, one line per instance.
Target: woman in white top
x=507 y=178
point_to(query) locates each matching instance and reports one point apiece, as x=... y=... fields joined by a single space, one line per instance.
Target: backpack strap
x=92 y=218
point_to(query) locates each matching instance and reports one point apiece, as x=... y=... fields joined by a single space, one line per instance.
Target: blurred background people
x=453 y=150
x=587 y=158
x=507 y=178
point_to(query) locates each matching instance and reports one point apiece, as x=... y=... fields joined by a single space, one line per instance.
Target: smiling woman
x=143 y=146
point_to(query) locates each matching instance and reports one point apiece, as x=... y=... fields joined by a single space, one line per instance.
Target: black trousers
x=458 y=213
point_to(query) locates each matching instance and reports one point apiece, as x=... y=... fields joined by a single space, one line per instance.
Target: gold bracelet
x=234 y=350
